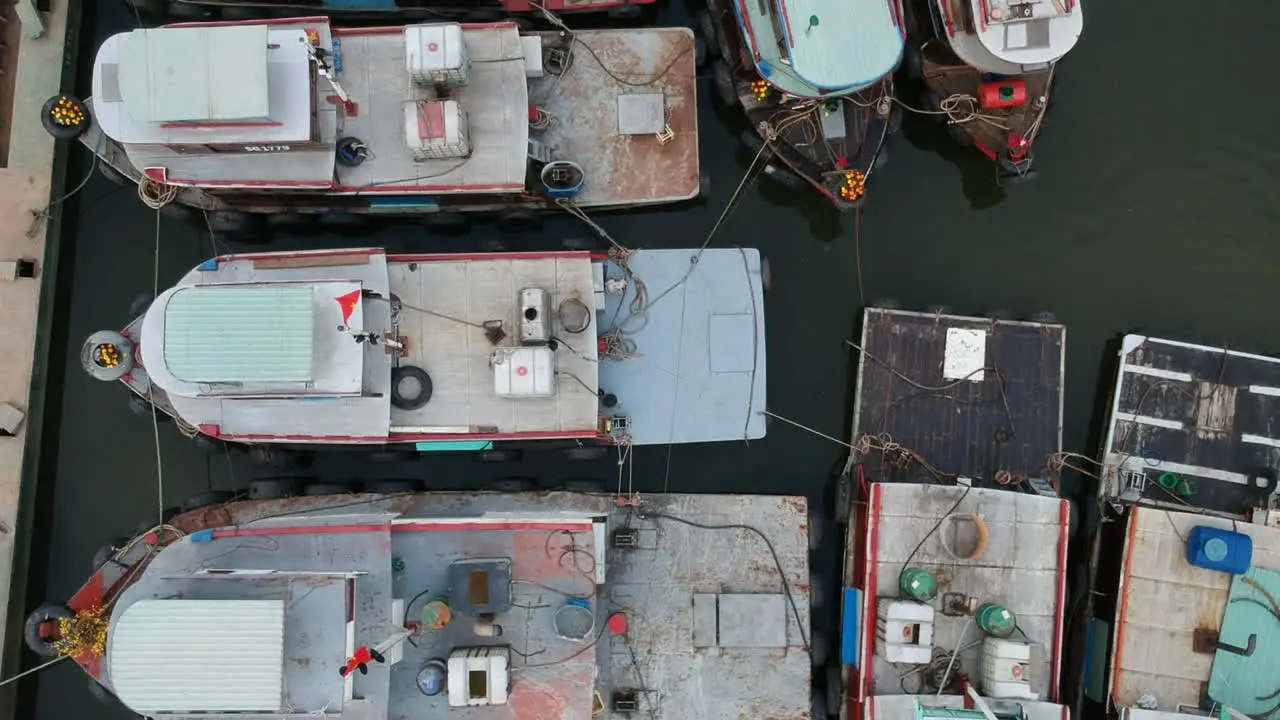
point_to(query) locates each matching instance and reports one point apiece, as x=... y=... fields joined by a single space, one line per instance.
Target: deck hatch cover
x=211 y=74
x=199 y=656
x=240 y=334
x=742 y=620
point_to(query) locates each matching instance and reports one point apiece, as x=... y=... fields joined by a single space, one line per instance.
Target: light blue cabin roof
x=837 y=44
x=240 y=334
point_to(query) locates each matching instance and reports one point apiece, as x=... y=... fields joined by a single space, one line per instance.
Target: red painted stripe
x=447 y=527
x=403 y=189
x=296 y=530
x=786 y=22
x=1064 y=538
x=1125 y=578
x=486 y=257
x=402 y=438
x=311 y=20
x=299 y=253
x=869 y=589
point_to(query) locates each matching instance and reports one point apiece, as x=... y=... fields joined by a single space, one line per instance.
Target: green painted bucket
x=919 y=585
x=995 y=620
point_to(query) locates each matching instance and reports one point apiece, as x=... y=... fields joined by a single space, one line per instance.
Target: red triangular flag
x=348 y=304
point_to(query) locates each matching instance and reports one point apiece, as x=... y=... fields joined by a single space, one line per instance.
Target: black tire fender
x=35 y=639
x=402 y=373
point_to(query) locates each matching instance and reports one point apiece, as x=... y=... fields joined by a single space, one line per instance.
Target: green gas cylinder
x=917 y=584
x=995 y=620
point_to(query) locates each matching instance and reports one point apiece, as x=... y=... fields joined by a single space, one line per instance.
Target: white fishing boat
x=484 y=353
x=247 y=120
x=988 y=66
x=479 y=605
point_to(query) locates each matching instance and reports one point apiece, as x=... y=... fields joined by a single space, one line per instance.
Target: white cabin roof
x=255 y=340
x=185 y=74
x=204 y=85
x=838 y=44
x=221 y=656
x=1028 y=33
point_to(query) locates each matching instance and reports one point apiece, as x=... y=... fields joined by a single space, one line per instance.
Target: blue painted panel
x=455 y=446
x=209 y=265
x=361 y=4
x=399 y=203
x=337 y=56
x=851 y=626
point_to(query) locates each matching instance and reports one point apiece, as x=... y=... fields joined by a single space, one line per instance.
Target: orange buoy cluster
x=107 y=355
x=854 y=186
x=67 y=112
x=760 y=88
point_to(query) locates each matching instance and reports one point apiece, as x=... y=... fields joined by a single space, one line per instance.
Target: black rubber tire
x=842 y=499
x=835 y=690
x=709 y=32
x=887 y=304
x=321 y=489
x=626 y=13
x=63 y=132
x=586 y=452
x=186 y=11
x=817 y=648
x=726 y=88
x=817 y=593
x=817 y=528
x=518 y=220
x=108 y=551
x=139 y=406
x=46 y=612
x=149 y=524
x=208 y=498
x=395 y=486
x=342 y=223
x=405 y=373
x=278 y=458
x=580 y=243
x=113 y=175
x=514 y=484
x=1044 y=317
x=500 y=455
x=273 y=488
x=234 y=13
x=139 y=305
x=291 y=223
x=782 y=176
x=101 y=693
x=766 y=274
x=699 y=51
x=704 y=187
x=583 y=485
x=209 y=445
x=481 y=16
x=392 y=456
x=999 y=314
x=447 y=223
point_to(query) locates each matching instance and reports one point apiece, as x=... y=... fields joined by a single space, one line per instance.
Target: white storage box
x=478 y=676
x=1006 y=669
x=437 y=54
x=436 y=130
x=904 y=631
x=520 y=372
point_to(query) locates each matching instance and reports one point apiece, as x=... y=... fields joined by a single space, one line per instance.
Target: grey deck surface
x=1006 y=416
x=709 y=639
x=1207 y=415
x=1023 y=570
x=698 y=371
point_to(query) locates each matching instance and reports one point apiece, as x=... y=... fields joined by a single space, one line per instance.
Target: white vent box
x=1006 y=669
x=524 y=372
x=479 y=676
x=437 y=54
x=535 y=316
x=436 y=130
x=531 y=48
x=904 y=631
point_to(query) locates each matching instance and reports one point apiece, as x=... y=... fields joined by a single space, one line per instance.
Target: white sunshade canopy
x=198 y=656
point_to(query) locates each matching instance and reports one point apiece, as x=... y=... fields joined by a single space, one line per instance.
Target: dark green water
x=1155 y=208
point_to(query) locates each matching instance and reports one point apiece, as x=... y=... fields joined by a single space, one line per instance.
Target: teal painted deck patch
x=1248 y=684
x=455 y=446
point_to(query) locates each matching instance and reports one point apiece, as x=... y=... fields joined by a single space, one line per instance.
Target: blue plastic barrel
x=1220 y=550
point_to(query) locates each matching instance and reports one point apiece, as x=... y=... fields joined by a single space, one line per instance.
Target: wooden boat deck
x=970 y=397
x=945 y=75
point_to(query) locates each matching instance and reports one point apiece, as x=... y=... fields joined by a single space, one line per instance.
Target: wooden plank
x=309 y=261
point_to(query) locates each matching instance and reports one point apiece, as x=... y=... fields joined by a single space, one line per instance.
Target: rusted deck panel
x=588 y=102
x=945 y=75
x=687 y=652
x=1202 y=418
x=998 y=410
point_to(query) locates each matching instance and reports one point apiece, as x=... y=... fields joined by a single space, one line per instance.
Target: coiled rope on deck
x=156 y=195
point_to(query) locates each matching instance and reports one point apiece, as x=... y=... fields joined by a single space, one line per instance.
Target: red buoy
x=1002 y=94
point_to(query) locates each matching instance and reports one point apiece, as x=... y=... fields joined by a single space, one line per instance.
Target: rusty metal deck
x=704 y=639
